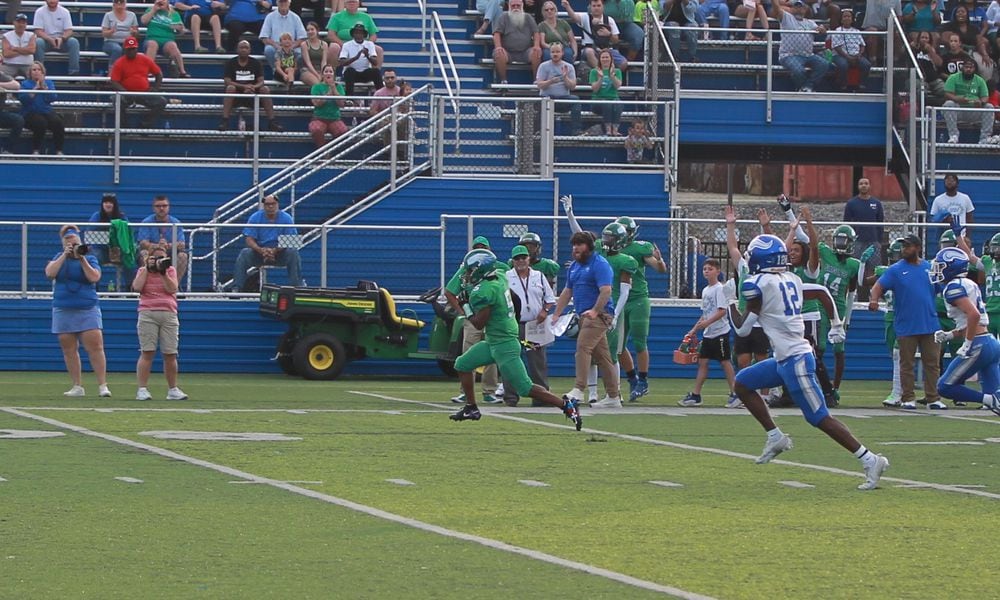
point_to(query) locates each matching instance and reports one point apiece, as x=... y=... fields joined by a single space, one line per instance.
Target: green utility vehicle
x=329 y=327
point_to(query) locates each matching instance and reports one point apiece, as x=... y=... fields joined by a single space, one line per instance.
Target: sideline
x=370 y=510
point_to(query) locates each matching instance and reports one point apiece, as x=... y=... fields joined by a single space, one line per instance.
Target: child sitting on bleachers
x=286 y=63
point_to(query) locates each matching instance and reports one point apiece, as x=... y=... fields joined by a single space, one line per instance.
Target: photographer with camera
x=156 y=283
x=76 y=315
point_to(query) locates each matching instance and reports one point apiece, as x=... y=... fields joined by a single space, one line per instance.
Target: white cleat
x=874 y=473
x=176 y=394
x=76 y=391
x=608 y=402
x=143 y=394
x=103 y=391
x=774 y=448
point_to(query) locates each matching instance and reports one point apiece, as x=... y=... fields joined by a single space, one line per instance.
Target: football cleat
x=874 y=472
x=572 y=411
x=774 y=448
x=690 y=400
x=911 y=405
x=468 y=413
x=892 y=401
x=996 y=403
x=937 y=405
x=734 y=401
x=641 y=389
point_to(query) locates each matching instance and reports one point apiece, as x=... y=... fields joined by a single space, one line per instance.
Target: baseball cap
x=480 y=241
x=20 y=17
x=798 y=3
x=130 y=42
x=518 y=250
x=911 y=240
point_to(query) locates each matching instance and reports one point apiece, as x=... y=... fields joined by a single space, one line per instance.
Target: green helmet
x=843 y=239
x=477 y=265
x=947 y=240
x=631 y=228
x=533 y=243
x=994 y=247
x=614 y=237
x=895 y=250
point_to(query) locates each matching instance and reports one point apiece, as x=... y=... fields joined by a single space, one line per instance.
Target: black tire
x=319 y=356
x=286 y=361
x=447 y=367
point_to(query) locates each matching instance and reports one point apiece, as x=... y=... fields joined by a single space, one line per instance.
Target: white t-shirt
x=52 y=22
x=959 y=205
x=533 y=293
x=713 y=298
x=21 y=41
x=350 y=48
x=780 y=311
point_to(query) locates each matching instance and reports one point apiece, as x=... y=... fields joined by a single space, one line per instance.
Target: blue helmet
x=948 y=264
x=766 y=254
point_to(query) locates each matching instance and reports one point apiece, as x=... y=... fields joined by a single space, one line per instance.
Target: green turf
x=731 y=531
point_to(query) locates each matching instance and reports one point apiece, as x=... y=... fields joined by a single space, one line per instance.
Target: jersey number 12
x=792 y=305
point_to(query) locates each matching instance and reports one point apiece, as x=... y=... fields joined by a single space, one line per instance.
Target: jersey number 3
x=791 y=299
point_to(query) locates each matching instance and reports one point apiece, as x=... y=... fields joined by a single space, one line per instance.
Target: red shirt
x=134 y=73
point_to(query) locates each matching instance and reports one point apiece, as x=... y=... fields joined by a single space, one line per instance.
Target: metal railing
x=449 y=76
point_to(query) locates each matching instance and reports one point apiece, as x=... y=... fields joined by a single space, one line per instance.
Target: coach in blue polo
x=589 y=284
x=915 y=321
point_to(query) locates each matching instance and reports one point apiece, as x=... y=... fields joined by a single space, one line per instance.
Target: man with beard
x=967 y=90
x=516 y=39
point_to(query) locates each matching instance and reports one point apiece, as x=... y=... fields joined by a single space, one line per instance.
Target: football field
x=276 y=487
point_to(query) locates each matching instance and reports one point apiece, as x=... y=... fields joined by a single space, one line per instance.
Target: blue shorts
x=76 y=320
x=798 y=374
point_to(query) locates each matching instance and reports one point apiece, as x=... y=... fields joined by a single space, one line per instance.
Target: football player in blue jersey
x=774 y=298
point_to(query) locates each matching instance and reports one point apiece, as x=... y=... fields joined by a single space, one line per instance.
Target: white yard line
x=635 y=438
x=370 y=510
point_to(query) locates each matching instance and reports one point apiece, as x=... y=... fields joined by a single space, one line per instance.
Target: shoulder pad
x=749 y=289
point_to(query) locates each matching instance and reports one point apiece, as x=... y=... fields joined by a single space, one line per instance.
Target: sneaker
x=892 y=401
x=996 y=403
x=608 y=402
x=958 y=403
x=574 y=394
x=459 y=399
x=103 y=391
x=499 y=392
x=952 y=139
x=938 y=405
x=734 y=401
x=911 y=405
x=690 y=400
x=143 y=394
x=572 y=412
x=774 y=448
x=592 y=398
x=641 y=389
x=468 y=413
x=492 y=399
x=76 y=391
x=175 y=393
x=874 y=473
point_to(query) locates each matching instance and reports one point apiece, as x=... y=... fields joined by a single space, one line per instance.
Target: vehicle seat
x=392 y=318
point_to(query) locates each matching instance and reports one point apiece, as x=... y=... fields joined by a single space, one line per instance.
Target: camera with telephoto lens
x=159 y=264
x=80 y=250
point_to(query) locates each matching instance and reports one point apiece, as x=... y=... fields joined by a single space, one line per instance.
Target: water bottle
x=828 y=53
x=685 y=344
x=242 y=125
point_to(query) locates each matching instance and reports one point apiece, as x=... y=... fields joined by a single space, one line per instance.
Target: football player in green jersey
x=989 y=278
x=895 y=253
x=547 y=267
x=491 y=309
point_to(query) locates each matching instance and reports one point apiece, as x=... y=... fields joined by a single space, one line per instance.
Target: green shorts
x=824 y=330
x=636 y=317
x=890 y=334
x=616 y=340
x=507 y=357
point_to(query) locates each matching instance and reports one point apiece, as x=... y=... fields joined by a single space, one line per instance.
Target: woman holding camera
x=76 y=315
x=156 y=283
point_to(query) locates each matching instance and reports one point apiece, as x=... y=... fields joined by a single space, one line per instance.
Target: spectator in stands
x=973 y=41
x=993 y=26
x=163 y=23
x=865 y=208
x=130 y=73
x=245 y=75
x=795 y=52
x=158 y=231
x=76 y=314
x=286 y=62
x=954 y=58
x=967 y=90
x=682 y=14
x=622 y=11
x=604 y=83
x=491 y=10
x=384 y=95
x=826 y=10
x=536 y=297
x=244 y=16
x=318 y=8
x=158 y=325
x=19 y=47
x=599 y=31
x=952 y=204
x=720 y=9
x=263 y=247
x=849 y=51
x=198 y=14
x=39 y=116
x=877 y=19
x=515 y=39
x=750 y=9
x=921 y=15
x=327 y=100
x=637 y=142
x=313 y=50
x=360 y=60
x=276 y=24
x=554 y=29
x=118 y=23
x=10 y=120
x=556 y=79
x=54 y=28
x=977 y=15
x=930 y=63
x=338 y=29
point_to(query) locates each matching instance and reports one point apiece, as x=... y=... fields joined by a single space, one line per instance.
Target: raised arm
x=567 y=202
x=731 y=242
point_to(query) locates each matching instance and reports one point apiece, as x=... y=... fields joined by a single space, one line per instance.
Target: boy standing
x=715 y=342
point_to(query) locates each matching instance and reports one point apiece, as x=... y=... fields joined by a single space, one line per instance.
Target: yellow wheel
x=319 y=356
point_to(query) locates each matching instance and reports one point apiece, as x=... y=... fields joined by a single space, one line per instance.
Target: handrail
x=422 y=5
x=438 y=30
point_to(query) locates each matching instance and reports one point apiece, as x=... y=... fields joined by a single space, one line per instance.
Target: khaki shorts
x=158 y=328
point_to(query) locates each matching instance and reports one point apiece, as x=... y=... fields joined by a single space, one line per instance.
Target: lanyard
x=527 y=299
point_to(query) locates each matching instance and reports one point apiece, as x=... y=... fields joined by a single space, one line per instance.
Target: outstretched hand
x=730 y=215
x=868 y=253
x=567 y=202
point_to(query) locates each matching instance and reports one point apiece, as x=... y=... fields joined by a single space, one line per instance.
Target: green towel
x=120 y=236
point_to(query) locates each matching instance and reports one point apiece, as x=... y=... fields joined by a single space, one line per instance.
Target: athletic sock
x=643 y=375
x=630 y=375
x=866 y=456
x=774 y=435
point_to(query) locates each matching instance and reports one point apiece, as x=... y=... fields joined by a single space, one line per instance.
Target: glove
x=943 y=336
x=614 y=323
x=867 y=254
x=963 y=350
x=729 y=289
x=956 y=226
x=784 y=203
x=837 y=334
x=567 y=202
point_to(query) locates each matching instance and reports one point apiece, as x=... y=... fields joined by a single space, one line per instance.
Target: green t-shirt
x=607 y=91
x=640 y=251
x=620 y=10
x=560 y=34
x=160 y=27
x=808 y=306
x=342 y=22
x=972 y=89
x=886 y=295
x=501 y=326
x=992 y=286
x=620 y=263
x=639 y=16
x=330 y=110
x=836 y=275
